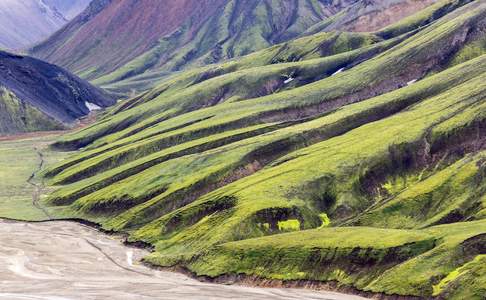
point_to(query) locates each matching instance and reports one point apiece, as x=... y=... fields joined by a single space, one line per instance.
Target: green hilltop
x=352 y=158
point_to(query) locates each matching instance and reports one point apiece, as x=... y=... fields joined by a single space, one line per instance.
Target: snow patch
x=411 y=82
x=92 y=106
x=289 y=80
x=338 y=71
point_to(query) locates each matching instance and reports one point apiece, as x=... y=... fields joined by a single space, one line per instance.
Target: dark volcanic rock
x=48 y=88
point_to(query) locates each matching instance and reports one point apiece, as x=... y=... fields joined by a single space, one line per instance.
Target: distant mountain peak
x=24 y=23
x=52 y=10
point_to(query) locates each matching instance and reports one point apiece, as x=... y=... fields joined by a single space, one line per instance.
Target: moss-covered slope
x=16 y=116
x=370 y=145
x=154 y=38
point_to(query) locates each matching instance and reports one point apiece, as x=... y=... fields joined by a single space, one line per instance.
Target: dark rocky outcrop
x=40 y=88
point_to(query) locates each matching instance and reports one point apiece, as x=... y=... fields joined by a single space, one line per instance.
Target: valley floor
x=65 y=260
x=22 y=158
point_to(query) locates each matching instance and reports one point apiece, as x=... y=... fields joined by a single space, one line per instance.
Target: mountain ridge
x=223 y=29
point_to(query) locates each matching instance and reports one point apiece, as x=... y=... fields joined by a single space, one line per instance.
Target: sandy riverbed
x=65 y=260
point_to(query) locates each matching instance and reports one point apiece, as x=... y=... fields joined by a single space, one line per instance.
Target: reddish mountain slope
x=117 y=39
x=111 y=33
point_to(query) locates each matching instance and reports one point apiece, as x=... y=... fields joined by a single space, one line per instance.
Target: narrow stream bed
x=66 y=260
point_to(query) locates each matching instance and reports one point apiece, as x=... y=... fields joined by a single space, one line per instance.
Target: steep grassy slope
x=370 y=145
x=16 y=116
x=369 y=13
x=163 y=36
x=35 y=95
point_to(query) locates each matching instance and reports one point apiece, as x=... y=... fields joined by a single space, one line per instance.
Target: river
x=66 y=260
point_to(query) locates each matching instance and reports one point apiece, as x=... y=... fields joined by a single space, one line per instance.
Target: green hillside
x=17 y=116
x=352 y=158
x=127 y=53
x=244 y=27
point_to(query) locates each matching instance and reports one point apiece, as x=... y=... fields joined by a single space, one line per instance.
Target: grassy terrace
x=434 y=261
x=382 y=73
x=371 y=146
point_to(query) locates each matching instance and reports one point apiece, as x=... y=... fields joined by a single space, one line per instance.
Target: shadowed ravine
x=66 y=260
